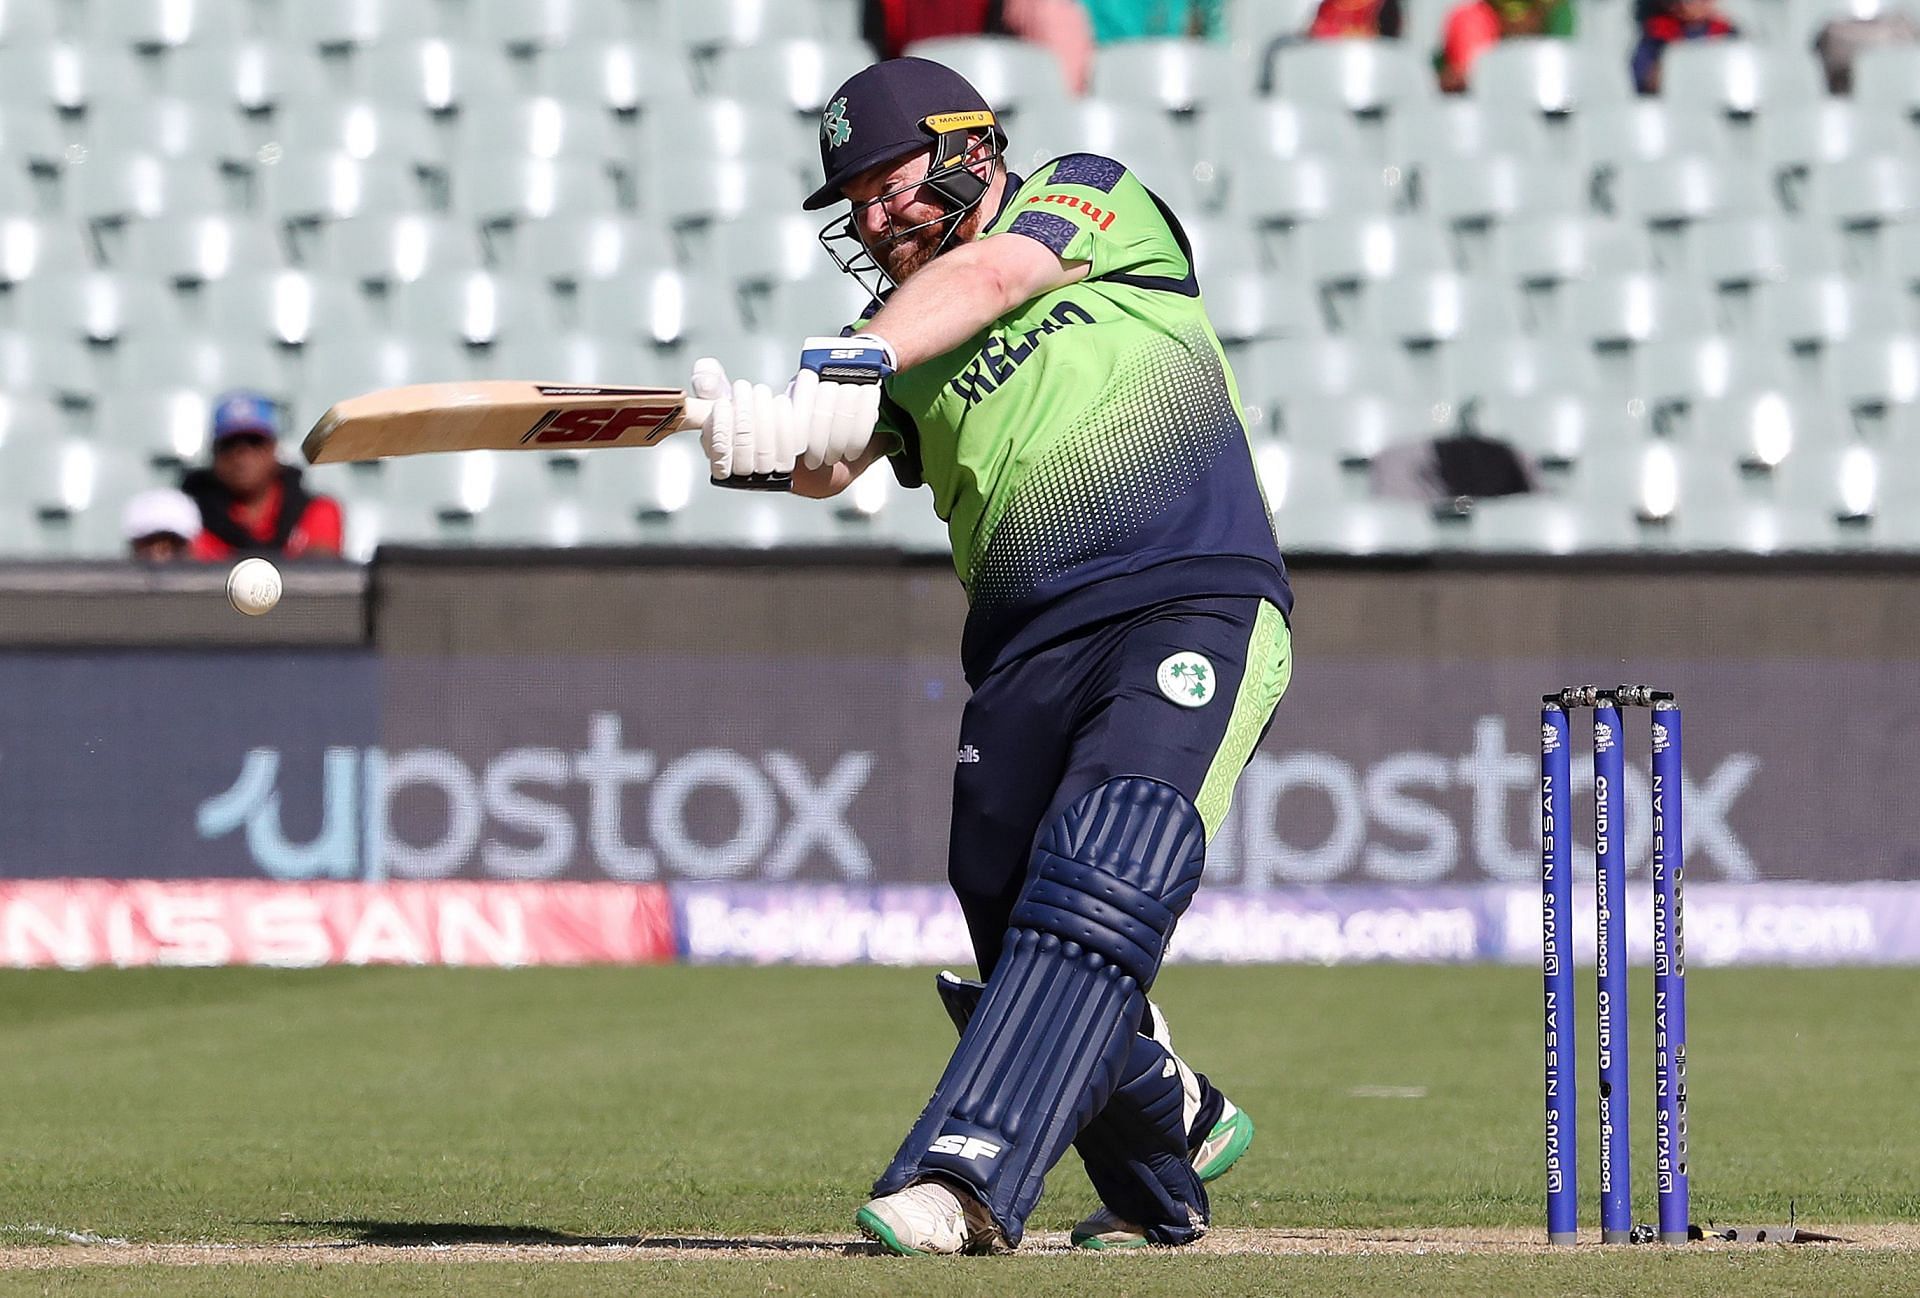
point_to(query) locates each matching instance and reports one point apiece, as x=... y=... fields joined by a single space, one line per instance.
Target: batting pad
x=1051 y=1038
x=1136 y=1148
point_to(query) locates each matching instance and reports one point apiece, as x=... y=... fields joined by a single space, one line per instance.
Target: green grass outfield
x=551 y=1107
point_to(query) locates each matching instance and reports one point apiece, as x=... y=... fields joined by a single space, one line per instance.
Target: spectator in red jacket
x=1062 y=27
x=250 y=503
x=1663 y=22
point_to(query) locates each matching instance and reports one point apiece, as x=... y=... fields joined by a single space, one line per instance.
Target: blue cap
x=891 y=111
x=235 y=413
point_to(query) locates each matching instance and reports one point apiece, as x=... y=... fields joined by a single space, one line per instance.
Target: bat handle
x=695 y=414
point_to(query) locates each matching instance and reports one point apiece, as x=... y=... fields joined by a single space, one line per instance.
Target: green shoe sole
x=1241 y=1127
x=876 y=1230
x=1095 y=1242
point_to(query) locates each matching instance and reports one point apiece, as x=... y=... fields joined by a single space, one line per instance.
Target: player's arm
x=961 y=292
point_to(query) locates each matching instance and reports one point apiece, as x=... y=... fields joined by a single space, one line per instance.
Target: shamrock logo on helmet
x=835 y=129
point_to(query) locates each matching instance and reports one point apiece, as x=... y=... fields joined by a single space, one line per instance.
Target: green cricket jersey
x=1087 y=450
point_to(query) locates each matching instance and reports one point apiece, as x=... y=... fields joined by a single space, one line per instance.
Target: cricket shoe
x=1214 y=1157
x=929 y=1217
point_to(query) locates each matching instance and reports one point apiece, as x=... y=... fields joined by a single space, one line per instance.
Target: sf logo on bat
x=652 y=414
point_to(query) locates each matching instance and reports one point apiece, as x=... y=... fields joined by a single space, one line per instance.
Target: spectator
x=160 y=525
x=250 y=503
x=1133 y=20
x=1350 y=19
x=1871 y=23
x=1474 y=25
x=1059 y=26
x=1662 y=22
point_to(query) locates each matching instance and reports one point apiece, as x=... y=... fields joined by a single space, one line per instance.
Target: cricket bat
x=498 y=415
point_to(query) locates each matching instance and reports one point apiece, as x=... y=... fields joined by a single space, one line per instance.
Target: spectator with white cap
x=160 y=525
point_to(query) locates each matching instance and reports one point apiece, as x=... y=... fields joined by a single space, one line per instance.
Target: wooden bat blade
x=497 y=415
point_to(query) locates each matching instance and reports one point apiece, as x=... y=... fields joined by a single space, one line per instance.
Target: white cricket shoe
x=1222 y=1148
x=928 y=1217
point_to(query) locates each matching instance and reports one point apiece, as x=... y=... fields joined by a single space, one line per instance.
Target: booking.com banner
x=1390 y=814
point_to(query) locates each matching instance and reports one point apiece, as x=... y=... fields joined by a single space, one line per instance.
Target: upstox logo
x=835 y=129
x=971 y=1148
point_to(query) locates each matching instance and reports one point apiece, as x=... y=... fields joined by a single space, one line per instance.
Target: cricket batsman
x=1038 y=353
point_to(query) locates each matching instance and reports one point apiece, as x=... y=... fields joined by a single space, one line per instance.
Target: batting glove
x=836 y=395
x=750 y=434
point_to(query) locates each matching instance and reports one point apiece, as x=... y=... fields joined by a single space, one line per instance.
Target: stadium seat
x=356 y=25
x=533 y=189
x=1316 y=525
x=1251 y=136
x=569 y=250
x=195 y=249
x=797 y=75
x=1819 y=310
x=197 y=361
x=767 y=248
x=1425 y=310
x=1888 y=77
x=574 y=357
x=476 y=308
x=1547 y=524
x=1309 y=189
x=1455 y=128
x=1549 y=75
x=1642 y=130
x=1250 y=306
x=1511 y=365
x=1221 y=247
x=1871 y=374
x=436 y=75
x=113 y=187
x=95 y=306
x=1829 y=130
x=525 y=27
x=1364 y=77
x=663 y=309
x=759 y=356
x=693 y=191
x=705 y=26
x=30 y=248
x=40 y=366
x=1675 y=191
x=314 y=189
x=1738 y=77
x=1545 y=250
x=722 y=129
x=288 y=308
x=536 y=128
x=1557 y=428
x=253 y=76
x=1629 y=309
x=1900 y=250
x=1500 y=187
x=1837 y=481
x=157 y=26
x=1354 y=427
x=822 y=304
x=1140 y=136
x=1760 y=429
x=1683 y=371
x=1292 y=367
x=1734 y=252
x=1176 y=76
x=1012 y=75
x=164 y=425
x=624 y=78
x=354 y=128
x=1863 y=192
x=28 y=22
x=1343 y=253
x=349 y=365
x=169 y=128
x=396 y=248
x=70 y=78
x=32 y=135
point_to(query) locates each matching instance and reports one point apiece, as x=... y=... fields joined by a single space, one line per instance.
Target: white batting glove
x=836 y=395
x=751 y=434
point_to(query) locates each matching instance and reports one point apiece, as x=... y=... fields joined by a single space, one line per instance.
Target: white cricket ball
x=253 y=587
